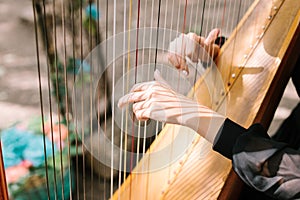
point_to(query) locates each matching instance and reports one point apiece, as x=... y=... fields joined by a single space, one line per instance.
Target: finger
x=174 y=59
x=212 y=36
x=142 y=119
x=123 y=101
x=141 y=110
x=177 y=50
x=178 y=62
x=215 y=50
x=131 y=98
x=142 y=86
x=142 y=114
x=138 y=106
x=193 y=37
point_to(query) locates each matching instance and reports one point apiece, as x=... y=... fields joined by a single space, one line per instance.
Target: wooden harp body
x=252 y=70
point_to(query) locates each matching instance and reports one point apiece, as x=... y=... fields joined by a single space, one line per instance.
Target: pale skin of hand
x=156 y=100
x=194 y=47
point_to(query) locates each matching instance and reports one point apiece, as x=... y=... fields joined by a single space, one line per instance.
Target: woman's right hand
x=194 y=47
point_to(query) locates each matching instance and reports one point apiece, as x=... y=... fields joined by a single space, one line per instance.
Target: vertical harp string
x=135 y=81
x=233 y=23
x=90 y=46
x=127 y=89
x=113 y=98
x=49 y=70
x=98 y=105
x=208 y=16
x=105 y=92
x=60 y=109
x=97 y=96
x=76 y=180
x=123 y=93
x=142 y=72
x=36 y=7
x=156 y=51
x=82 y=100
x=66 y=119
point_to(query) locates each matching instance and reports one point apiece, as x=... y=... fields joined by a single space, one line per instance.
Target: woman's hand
x=194 y=47
x=156 y=100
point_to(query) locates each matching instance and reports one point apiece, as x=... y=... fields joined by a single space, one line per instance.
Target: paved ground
x=19 y=97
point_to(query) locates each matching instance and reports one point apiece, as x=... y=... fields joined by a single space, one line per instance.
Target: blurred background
x=19 y=94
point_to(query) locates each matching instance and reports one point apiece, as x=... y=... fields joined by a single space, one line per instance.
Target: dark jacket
x=270 y=165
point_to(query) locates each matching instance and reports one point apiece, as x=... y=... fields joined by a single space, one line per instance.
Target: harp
x=253 y=70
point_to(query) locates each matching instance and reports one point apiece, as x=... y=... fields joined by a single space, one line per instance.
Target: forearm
x=204 y=121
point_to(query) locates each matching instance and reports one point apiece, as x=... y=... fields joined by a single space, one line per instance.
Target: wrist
x=208 y=123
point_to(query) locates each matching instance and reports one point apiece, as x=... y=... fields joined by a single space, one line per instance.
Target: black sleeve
x=296 y=77
x=262 y=163
x=226 y=137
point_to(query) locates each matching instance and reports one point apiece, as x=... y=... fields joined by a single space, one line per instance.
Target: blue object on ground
x=19 y=145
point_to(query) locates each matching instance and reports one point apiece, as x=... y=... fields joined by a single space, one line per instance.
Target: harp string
x=211 y=15
x=191 y=14
x=234 y=42
x=82 y=100
x=156 y=51
x=145 y=124
x=105 y=92
x=123 y=93
x=35 y=7
x=72 y=16
x=66 y=101
x=113 y=99
x=227 y=26
x=90 y=46
x=49 y=62
x=142 y=72
x=98 y=102
x=200 y=33
x=164 y=36
x=135 y=81
x=60 y=109
x=72 y=8
x=149 y=149
x=171 y=27
x=127 y=89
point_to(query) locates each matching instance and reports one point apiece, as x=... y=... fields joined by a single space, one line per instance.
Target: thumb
x=212 y=36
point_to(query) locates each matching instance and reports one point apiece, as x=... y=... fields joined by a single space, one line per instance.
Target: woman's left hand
x=156 y=100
